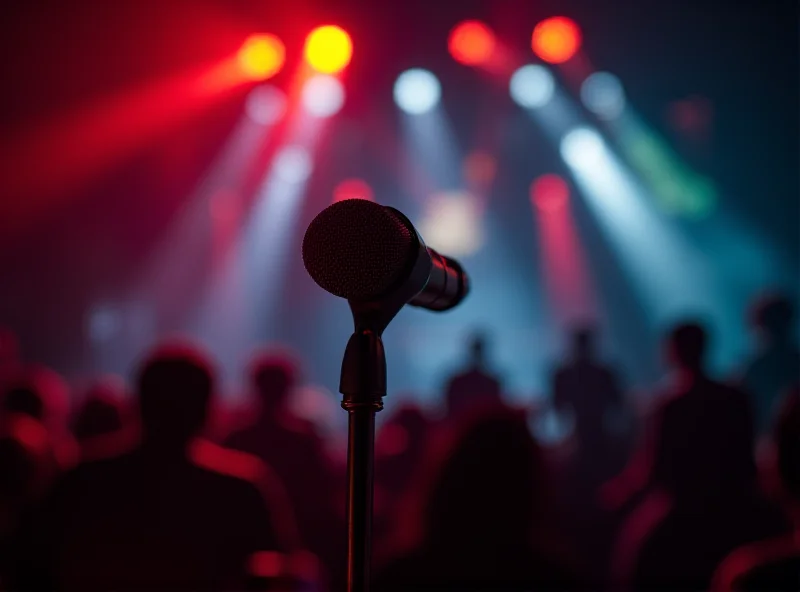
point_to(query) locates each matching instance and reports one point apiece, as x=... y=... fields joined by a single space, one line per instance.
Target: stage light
x=556 y=40
x=328 y=49
x=549 y=193
x=323 y=95
x=104 y=323
x=452 y=223
x=265 y=104
x=480 y=168
x=532 y=86
x=261 y=56
x=583 y=149
x=293 y=165
x=602 y=94
x=471 y=43
x=353 y=189
x=417 y=91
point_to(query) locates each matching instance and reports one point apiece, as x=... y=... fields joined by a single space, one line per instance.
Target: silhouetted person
x=25 y=474
x=476 y=384
x=175 y=513
x=478 y=519
x=588 y=390
x=776 y=366
x=101 y=412
x=400 y=444
x=698 y=466
x=773 y=564
x=292 y=447
x=41 y=394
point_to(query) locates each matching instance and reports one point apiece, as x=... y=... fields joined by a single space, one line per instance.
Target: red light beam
x=567 y=281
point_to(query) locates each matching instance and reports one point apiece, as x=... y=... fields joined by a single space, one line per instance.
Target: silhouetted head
x=488 y=487
x=773 y=315
x=583 y=342
x=23 y=448
x=686 y=346
x=273 y=376
x=39 y=393
x=25 y=399
x=175 y=386
x=478 y=346
x=101 y=412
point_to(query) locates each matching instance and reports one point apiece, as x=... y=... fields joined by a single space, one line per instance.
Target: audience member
x=773 y=564
x=400 y=445
x=101 y=412
x=776 y=366
x=171 y=514
x=25 y=474
x=42 y=395
x=588 y=390
x=698 y=466
x=476 y=384
x=480 y=516
x=292 y=447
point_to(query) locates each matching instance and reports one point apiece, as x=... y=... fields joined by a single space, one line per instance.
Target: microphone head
x=359 y=250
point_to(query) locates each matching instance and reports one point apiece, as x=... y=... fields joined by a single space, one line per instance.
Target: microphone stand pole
x=363 y=385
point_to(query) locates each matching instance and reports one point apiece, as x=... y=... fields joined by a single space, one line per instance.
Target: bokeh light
x=583 y=149
x=603 y=95
x=549 y=193
x=265 y=104
x=323 y=95
x=532 y=86
x=293 y=165
x=452 y=223
x=556 y=40
x=480 y=168
x=104 y=323
x=353 y=189
x=471 y=43
x=328 y=49
x=261 y=56
x=417 y=91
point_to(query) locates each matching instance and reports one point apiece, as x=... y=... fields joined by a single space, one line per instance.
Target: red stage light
x=557 y=39
x=549 y=193
x=353 y=189
x=261 y=56
x=328 y=49
x=480 y=167
x=471 y=43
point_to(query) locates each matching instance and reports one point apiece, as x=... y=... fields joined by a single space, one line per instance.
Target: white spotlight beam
x=671 y=276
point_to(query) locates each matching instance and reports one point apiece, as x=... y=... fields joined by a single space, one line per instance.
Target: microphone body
x=367 y=253
x=446 y=287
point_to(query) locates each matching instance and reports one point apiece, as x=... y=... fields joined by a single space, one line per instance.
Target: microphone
x=366 y=252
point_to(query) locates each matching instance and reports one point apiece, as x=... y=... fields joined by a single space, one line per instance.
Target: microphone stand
x=363 y=385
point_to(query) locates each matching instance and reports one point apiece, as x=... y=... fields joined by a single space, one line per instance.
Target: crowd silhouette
x=138 y=488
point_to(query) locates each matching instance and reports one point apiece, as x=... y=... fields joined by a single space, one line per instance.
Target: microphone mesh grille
x=357 y=249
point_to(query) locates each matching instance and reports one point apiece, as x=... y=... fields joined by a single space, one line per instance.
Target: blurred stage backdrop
x=626 y=162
